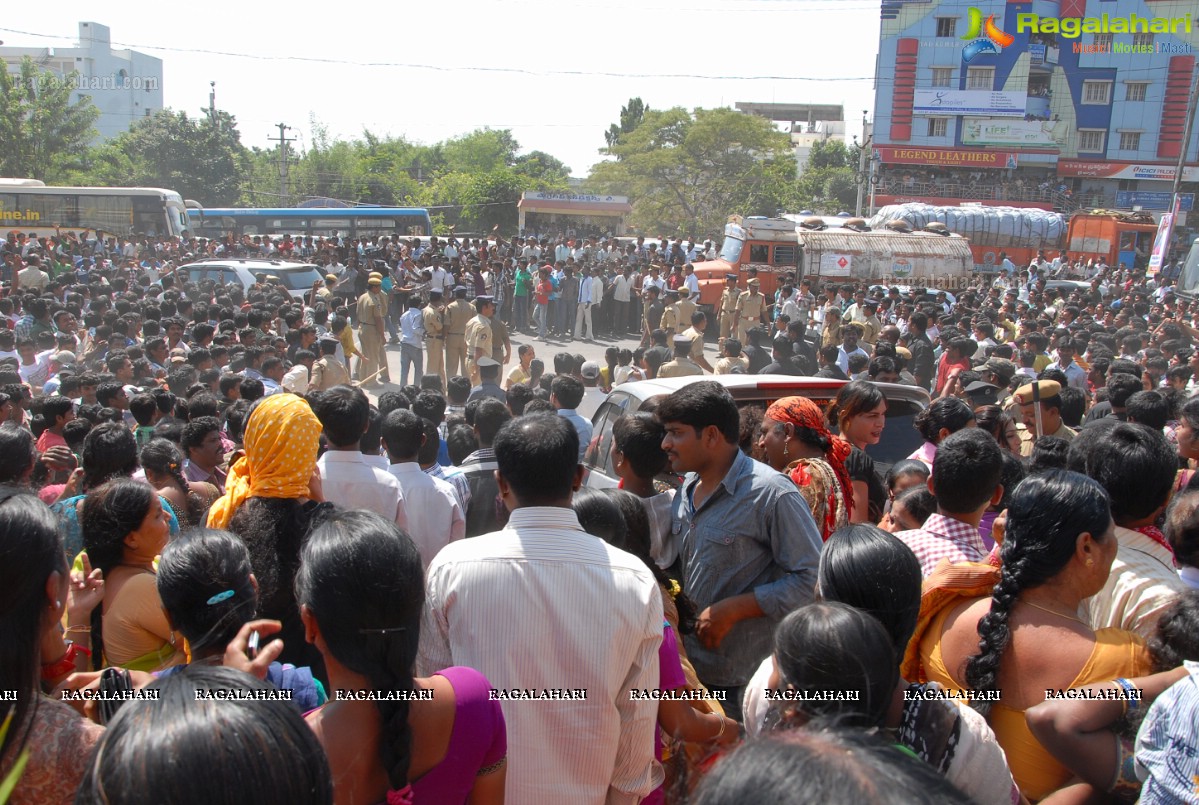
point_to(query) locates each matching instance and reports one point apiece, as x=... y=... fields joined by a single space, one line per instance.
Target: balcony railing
x=1067 y=201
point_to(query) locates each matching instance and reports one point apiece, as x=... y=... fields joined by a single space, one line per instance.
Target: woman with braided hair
x=163 y=462
x=439 y=739
x=795 y=441
x=1026 y=637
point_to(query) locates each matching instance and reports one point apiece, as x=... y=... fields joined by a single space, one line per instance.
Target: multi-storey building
x=125 y=85
x=1052 y=103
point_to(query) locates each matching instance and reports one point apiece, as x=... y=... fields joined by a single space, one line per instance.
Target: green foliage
x=42 y=134
x=630 y=118
x=202 y=157
x=686 y=172
x=829 y=181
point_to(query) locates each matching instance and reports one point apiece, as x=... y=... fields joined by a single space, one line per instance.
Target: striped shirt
x=1141 y=586
x=544 y=605
x=1167 y=755
x=943 y=537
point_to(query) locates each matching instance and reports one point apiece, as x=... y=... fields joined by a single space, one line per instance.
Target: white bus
x=29 y=206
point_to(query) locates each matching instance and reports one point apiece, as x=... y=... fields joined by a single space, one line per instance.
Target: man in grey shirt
x=747 y=540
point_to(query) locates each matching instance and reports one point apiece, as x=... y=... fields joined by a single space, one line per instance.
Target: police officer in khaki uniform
x=682 y=365
x=670 y=316
x=699 y=323
x=479 y=336
x=435 y=336
x=1045 y=395
x=685 y=307
x=457 y=315
x=750 y=307
x=372 y=313
x=728 y=307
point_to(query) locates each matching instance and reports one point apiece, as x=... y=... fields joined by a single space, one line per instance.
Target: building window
x=947 y=26
x=1130 y=141
x=1135 y=90
x=1103 y=41
x=1141 y=41
x=938 y=126
x=980 y=77
x=1097 y=93
x=1090 y=141
x=942 y=76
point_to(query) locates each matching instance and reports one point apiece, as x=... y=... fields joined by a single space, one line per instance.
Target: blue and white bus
x=352 y=222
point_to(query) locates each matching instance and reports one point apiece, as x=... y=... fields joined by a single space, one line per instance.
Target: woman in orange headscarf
x=795 y=440
x=272 y=494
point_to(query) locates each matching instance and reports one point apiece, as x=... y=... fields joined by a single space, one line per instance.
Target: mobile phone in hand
x=252 y=645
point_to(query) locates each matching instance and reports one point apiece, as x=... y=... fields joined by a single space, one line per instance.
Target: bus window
x=759 y=253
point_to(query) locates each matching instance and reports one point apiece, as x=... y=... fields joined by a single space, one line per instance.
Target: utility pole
x=862 y=178
x=1192 y=105
x=212 y=102
x=283 y=140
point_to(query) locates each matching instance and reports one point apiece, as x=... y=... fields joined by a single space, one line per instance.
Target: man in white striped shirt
x=544 y=607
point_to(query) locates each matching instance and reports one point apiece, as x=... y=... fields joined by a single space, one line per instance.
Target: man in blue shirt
x=412 y=338
x=566 y=393
x=747 y=541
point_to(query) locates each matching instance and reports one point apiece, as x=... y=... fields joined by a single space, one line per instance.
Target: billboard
x=1123 y=170
x=947 y=157
x=1127 y=199
x=970 y=102
x=1025 y=133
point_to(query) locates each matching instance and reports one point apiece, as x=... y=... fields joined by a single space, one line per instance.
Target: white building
x=123 y=84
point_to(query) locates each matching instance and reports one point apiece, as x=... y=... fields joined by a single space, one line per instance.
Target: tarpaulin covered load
x=1003 y=227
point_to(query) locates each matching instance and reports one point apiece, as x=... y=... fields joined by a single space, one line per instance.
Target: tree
x=542 y=167
x=687 y=172
x=42 y=133
x=200 y=157
x=829 y=180
x=630 y=118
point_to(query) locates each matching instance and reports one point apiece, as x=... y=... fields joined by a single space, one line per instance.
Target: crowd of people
x=228 y=573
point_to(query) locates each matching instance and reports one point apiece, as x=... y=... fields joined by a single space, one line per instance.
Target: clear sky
x=428 y=71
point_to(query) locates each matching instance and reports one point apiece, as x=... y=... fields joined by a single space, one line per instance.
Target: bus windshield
x=1188 y=281
x=730 y=251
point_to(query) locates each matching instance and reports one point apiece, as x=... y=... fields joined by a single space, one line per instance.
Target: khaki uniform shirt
x=751 y=305
x=434 y=322
x=728 y=300
x=697 y=343
x=372 y=307
x=670 y=318
x=725 y=366
x=679 y=367
x=457 y=315
x=478 y=336
x=685 y=308
x=1028 y=437
x=327 y=373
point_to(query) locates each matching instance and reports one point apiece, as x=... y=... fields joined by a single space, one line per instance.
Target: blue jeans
x=411 y=356
x=520 y=313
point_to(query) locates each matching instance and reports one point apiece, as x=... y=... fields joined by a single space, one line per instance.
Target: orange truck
x=776 y=246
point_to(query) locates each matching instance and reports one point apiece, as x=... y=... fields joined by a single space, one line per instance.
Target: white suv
x=296 y=277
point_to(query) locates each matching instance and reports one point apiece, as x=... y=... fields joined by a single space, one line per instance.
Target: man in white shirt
x=591 y=293
x=32 y=278
x=435 y=516
x=690 y=280
x=544 y=606
x=622 y=295
x=347 y=479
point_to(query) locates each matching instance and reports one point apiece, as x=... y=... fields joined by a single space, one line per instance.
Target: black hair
x=639 y=437
x=184 y=747
x=700 y=405
x=393 y=400
x=109 y=451
x=53 y=407
x=568 y=390
x=344 y=412
x=362 y=579
x=966 y=470
x=432 y=446
x=538 y=457
x=1047 y=514
x=831 y=646
x=19 y=451
x=993 y=420
x=196 y=430
x=517 y=397
x=909 y=466
x=1073 y=406
x=372 y=438
x=947 y=412
x=865 y=567
x=203 y=404
x=918 y=502
x=430 y=405
x=1149 y=408
x=1049 y=453
x=1176 y=636
x=1182 y=528
x=458 y=389
x=1014 y=471
x=402 y=434
x=30 y=550
x=460 y=441
x=853 y=399
x=489 y=418
x=1121 y=386
x=1134 y=463
x=164 y=457
x=110 y=513
x=196 y=572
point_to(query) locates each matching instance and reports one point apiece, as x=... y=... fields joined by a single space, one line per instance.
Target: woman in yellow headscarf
x=272 y=494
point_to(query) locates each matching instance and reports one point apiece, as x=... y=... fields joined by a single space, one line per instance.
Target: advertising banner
x=970 y=102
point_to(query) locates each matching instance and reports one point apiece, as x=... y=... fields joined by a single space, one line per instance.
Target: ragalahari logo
x=984 y=37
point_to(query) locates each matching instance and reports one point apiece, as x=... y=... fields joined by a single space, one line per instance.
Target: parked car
x=899 y=438
x=296 y=277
